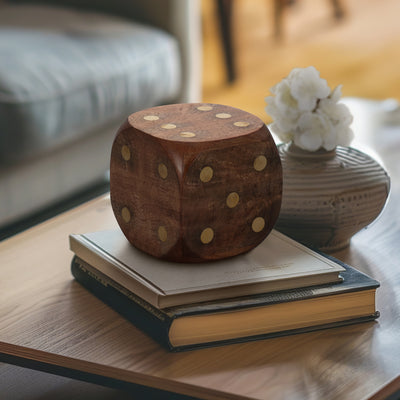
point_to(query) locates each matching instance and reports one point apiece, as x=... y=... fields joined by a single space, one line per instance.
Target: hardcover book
x=238 y=319
x=278 y=263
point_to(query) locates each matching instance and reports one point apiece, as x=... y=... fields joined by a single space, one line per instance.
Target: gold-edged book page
x=205 y=328
x=278 y=263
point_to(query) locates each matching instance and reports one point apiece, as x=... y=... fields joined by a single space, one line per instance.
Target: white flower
x=305 y=111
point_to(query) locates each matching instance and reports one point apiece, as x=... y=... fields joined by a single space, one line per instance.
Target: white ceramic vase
x=328 y=196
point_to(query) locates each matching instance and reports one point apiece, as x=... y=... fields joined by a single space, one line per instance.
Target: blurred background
x=360 y=48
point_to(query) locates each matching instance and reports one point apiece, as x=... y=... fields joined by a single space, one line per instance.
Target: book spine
x=143 y=315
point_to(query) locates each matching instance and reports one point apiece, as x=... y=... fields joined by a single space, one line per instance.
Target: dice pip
x=195 y=182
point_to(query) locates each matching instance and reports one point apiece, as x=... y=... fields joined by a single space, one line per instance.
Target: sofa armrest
x=182 y=18
x=185 y=24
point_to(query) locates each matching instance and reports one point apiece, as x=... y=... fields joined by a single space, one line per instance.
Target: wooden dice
x=195 y=182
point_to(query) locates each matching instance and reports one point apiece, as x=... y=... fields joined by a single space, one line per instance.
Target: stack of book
x=280 y=287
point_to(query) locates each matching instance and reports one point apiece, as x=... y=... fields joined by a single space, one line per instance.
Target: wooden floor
x=362 y=51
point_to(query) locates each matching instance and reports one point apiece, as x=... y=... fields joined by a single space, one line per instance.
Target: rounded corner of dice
x=195 y=182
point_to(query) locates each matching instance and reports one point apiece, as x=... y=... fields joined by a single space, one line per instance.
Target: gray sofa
x=70 y=74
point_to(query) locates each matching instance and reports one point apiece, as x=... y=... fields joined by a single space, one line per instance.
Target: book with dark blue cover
x=239 y=319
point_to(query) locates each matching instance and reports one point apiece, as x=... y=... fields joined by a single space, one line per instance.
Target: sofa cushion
x=64 y=72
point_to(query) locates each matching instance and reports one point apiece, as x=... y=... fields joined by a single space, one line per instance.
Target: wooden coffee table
x=50 y=323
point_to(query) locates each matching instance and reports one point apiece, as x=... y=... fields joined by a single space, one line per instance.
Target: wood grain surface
x=195 y=182
x=47 y=319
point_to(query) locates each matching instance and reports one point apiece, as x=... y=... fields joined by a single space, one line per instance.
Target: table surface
x=48 y=321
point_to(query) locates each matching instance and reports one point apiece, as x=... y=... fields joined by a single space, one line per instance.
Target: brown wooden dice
x=195 y=182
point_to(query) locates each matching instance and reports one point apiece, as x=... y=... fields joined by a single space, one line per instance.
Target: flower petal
x=307 y=87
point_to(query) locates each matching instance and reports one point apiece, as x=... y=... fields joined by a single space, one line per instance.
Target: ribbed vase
x=329 y=196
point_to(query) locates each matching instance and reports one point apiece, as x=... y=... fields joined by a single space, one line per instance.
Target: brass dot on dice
x=187 y=134
x=241 y=124
x=206 y=174
x=168 y=126
x=207 y=236
x=258 y=224
x=223 y=115
x=162 y=233
x=260 y=163
x=151 y=118
x=126 y=214
x=204 y=108
x=125 y=152
x=232 y=200
x=162 y=171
